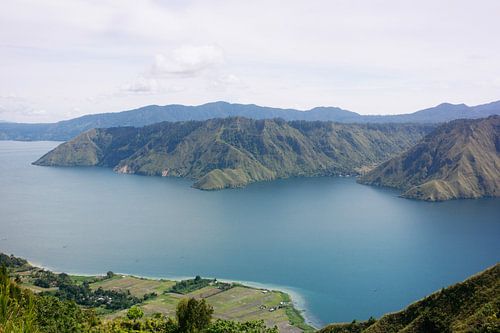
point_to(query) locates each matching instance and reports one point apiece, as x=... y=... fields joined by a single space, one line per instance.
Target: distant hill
x=233 y=152
x=65 y=130
x=469 y=306
x=443 y=113
x=460 y=159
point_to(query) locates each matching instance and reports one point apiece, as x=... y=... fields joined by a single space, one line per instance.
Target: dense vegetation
x=469 y=306
x=11 y=261
x=460 y=159
x=233 y=152
x=187 y=286
x=81 y=294
x=65 y=130
x=47 y=279
x=22 y=311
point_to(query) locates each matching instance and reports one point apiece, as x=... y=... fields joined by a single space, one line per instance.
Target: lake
x=345 y=250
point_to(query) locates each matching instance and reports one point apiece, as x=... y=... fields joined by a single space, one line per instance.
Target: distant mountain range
x=65 y=130
x=460 y=159
x=232 y=152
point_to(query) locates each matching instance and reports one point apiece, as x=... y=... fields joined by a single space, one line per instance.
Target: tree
x=23 y=311
x=193 y=315
x=227 y=326
x=135 y=313
x=110 y=274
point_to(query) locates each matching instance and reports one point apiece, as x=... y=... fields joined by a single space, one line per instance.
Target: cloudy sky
x=64 y=58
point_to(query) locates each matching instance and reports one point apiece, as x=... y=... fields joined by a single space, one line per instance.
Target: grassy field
x=137 y=286
x=36 y=289
x=79 y=279
x=238 y=303
x=230 y=301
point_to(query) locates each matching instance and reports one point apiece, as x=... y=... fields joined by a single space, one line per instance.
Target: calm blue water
x=349 y=250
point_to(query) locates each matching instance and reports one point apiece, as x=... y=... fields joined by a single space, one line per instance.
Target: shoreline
x=297 y=300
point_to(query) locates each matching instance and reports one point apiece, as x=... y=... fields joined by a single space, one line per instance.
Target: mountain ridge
x=147 y=115
x=460 y=159
x=233 y=152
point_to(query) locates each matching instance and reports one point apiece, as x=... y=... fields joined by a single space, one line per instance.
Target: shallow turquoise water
x=349 y=250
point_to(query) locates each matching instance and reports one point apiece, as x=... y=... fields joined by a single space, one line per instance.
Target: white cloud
x=142 y=85
x=187 y=61
x=227 y=81
x=196 y=63
x=150 y=85
x=21 y=107
x=230 y=79
x=367 y=56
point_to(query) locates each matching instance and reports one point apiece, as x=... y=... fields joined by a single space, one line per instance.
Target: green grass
x=240 y=303
x=34 y=288
x=137 y=286
x=297 y=320
x=230 y=301
x=80 y=279
x=100 y=311
x=294 y=315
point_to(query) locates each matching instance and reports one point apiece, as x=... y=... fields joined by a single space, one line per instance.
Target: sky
x=64 y=58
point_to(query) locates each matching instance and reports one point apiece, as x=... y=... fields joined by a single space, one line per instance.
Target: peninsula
x=233 y=152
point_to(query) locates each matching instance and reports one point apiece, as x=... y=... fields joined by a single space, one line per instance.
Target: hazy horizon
x=301 y=110
x=61 y=60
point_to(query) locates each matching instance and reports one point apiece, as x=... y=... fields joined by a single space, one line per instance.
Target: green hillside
x=233 y=152
x=460 y=159
x=469 y=306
